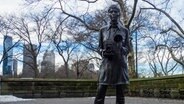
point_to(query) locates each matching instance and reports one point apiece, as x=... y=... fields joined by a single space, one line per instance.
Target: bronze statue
x=113 y=45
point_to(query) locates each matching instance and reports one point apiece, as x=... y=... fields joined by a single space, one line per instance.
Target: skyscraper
x=48 y=64
x=8 y=56
x=15 y=63
x=28 y=60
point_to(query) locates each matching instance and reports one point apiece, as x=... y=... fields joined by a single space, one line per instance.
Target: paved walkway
x=109 y=100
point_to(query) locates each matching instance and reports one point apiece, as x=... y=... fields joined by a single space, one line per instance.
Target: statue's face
x=114 y=14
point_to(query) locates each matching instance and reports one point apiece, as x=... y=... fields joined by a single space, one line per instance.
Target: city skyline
x=17 y=50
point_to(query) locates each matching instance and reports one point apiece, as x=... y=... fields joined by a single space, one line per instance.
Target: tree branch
x=180 y=61
x=167 y=15
x=171 y=29
x=133 y=14
x=75 y=17
x=89 y=1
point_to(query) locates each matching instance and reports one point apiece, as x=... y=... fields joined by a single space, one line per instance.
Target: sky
x=10 y=6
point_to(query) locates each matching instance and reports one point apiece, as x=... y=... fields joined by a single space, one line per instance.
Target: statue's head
x=114 y=12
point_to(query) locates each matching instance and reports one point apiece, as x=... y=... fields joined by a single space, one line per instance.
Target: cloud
x=10 y=6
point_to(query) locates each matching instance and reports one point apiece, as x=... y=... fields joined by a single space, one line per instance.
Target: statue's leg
x=120 y=98
x=100 y=97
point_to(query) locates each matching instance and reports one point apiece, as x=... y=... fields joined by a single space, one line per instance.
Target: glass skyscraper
x=7 y=56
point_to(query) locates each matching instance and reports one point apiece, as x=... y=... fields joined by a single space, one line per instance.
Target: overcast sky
x=10 y=6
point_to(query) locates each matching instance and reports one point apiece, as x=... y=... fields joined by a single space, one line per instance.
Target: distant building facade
x=48 y=64
x=15 y=66
x=28 y=61
x=8 y=56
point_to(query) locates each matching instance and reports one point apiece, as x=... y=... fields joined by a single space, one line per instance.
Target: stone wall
x=163 y=87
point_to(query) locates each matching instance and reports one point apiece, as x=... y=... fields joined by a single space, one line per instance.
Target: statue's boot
x=100 y=97
x=120 y=99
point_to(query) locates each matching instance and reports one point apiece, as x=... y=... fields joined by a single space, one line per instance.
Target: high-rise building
x=28 y=60
x=48 y=64
x=15 y=63
x=8 y=56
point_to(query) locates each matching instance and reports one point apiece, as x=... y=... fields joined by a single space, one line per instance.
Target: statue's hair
x=114 y=7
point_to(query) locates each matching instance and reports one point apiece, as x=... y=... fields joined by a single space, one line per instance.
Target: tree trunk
x=66 y=70
x=36 y=72
x=78 y=73
x=131 y=59
x=131 y=62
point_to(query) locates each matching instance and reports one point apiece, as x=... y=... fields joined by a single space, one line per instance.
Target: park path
x=89 y=100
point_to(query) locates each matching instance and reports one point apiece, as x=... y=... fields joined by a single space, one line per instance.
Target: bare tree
x=175 y=28
x=62 y=43
x=160 y=61
x=81 y=61
x=179 y=32
x=32 y=29
x=69 y=48
x=158 y=57
x=80 y=66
